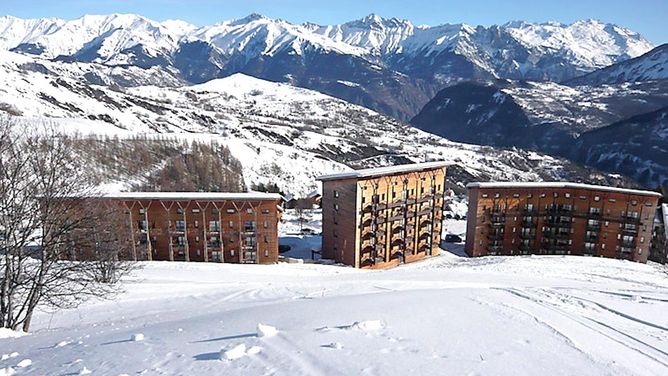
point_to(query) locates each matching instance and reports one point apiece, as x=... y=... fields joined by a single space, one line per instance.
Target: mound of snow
x=138 y=337
x=368 y=326
x=8 y=333
x=24 y=363
x=254 y=350
x=238 y=351
x=334 y=345
x=266 y=330
x=8 y=371
x=85 y=371
x=62 y=344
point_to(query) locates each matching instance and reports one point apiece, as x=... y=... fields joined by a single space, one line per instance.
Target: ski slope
x=447 y=315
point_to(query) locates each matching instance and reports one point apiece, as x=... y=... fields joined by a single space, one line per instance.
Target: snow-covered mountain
x=637 y=147
x=389 y=65
x=650 y=66
x=280 y=133
x=550 y=117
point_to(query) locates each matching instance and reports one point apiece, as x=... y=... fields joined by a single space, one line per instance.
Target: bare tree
x=303 y=208
x=43 y=188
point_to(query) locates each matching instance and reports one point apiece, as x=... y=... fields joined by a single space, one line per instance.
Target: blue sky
x=645 y=16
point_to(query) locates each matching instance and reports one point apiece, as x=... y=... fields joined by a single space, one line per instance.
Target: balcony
x=424 y=212
x=560 y=210
x=596 y=214
x=397 y=229
x=528 y=223
x=630 y=230
x=591 y=238
x=556 y=235
x=496 y=235
x=593 y=227
x=526 y=247
x=628 y=243
x=527 y=235
x=397 y=217
x=626 y=250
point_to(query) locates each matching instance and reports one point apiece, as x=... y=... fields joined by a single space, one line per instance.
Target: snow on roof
x=193 y=196
x=380 y=171
x=560 y=185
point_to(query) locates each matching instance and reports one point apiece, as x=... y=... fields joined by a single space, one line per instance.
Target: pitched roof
x=561 y=185
x=380 y=171
x=243 y=196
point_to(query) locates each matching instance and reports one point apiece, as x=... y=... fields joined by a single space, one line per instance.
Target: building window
x=180 y=225
x=266 y=253
x=612 y=200
x=265 y=211
x=249 y=211
x=485 y=195
x=336 y=207
x=231 y=224
x=232 y=252
x=215 y=211
x=179 y=210
x=197 y=239
x=181 y=240
x=542 y=195
x=597 y=198
x=336 y=193
x=230 y=211
x=196 y=224
x=265 y=224
x=266 y=239
x=568 y=195
x=142 y=210
x=196 y=210
x=214 y=226
x=497 y=195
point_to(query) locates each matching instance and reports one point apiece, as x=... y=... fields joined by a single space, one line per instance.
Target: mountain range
x=281 y=134
x=389 y=65
x=550 y=87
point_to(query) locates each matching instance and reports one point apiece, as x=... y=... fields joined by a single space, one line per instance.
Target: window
x=542 y=195
x=231 y=224
x=142 y=210
x=568 y=195
x=336 y=193
x=197 y=239
x=180 y=225
x=634 y=202
x=265 y=224
x=181 y=240
x=266 y=253
x=336 y=207
x=597 y=198
x=214 y=226
x=215 y=211
x=249 y=211
x=179 y=210
x=529 y=195
x=612 y=200
x=266 y=239
x=230 y=211
x=249 y=226
x=196 y=224
x=363 y=199
x=265 y=211
x=232 y=252
x=485 y=195
x=196 y=210
x=497 y=195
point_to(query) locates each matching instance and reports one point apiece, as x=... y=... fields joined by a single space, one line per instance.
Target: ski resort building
x=382 y=217
x=659 y=249
x=559 y=219
x=209 y=227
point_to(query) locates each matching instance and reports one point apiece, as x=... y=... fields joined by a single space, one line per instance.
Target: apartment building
x=559 y=219
x=382 y=217
x=659 y=249
x=209 y=227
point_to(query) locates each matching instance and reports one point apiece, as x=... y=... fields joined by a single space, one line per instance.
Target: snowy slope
x=651 y=66
x=495 y=315
x=280 y=133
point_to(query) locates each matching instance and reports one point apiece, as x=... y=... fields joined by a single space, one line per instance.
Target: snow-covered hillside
x=280 y=133
x=650 y=66
x=494 y=315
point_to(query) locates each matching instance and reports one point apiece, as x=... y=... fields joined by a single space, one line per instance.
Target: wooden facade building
x=209 y=227
x=381 y=217
x=559 y=219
